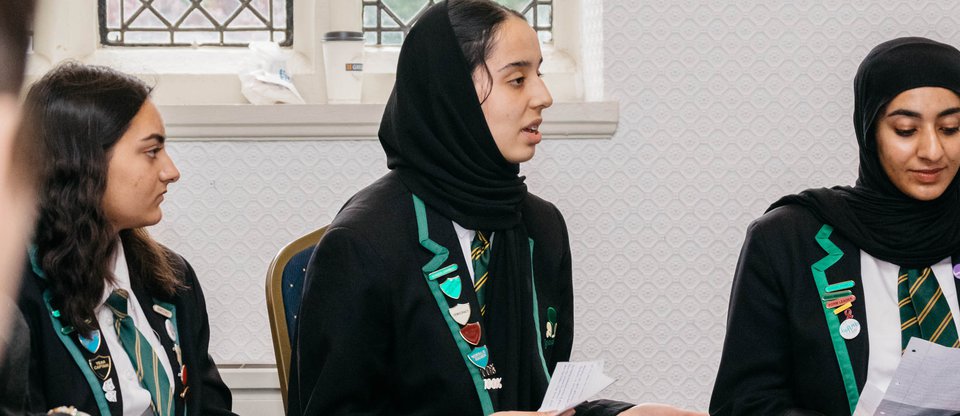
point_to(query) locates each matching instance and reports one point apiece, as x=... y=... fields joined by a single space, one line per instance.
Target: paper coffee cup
x=343 y=58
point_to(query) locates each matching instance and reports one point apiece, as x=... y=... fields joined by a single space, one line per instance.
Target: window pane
x=193 y=22
x=402 y=14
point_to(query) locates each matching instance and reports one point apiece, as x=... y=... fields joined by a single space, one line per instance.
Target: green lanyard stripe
x=833 y=323
x=536 y=316
x=440 y=255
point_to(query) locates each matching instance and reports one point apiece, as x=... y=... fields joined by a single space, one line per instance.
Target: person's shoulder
x=788 y=219
x=539 y=209
x=376 y=205
x=543 y=220
x=31 y=285
x=379 y=215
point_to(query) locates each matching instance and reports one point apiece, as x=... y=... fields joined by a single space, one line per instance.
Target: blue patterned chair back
x=293 y=274
x=284 y=292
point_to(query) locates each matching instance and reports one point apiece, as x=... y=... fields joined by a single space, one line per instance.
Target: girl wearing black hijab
x=833 y=283
x=444 y=288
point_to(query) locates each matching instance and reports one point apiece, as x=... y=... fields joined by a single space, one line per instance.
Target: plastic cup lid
x=343 y=36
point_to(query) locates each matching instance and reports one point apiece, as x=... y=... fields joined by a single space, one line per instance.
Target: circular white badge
x=849 y=329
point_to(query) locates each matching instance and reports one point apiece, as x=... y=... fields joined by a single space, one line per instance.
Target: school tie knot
x=143 y=357
x=117 y=301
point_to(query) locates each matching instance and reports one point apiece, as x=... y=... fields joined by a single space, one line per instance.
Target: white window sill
x=590 y=120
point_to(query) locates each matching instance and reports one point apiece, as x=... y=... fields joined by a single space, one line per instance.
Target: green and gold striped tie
x=924 y=312
x=142 y=355
x=480 y=252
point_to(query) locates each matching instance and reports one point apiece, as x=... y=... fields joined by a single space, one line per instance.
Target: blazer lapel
x=848 y=268
x=443 y=233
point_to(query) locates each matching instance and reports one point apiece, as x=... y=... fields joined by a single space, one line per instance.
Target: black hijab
x=436 y=137
x=874 y=214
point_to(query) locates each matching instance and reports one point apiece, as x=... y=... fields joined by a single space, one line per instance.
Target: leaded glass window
x=386 y=22
x=195 y=22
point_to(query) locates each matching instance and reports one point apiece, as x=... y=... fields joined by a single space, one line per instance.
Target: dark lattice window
x=195 y=22
x=386 y=22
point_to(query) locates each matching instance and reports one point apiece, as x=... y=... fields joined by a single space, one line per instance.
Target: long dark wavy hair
x=78 y=112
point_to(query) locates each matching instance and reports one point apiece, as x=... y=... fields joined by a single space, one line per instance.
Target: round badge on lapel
x=849 y=328
x=956 y=271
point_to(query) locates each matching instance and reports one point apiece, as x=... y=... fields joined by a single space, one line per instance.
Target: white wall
x=724 y=108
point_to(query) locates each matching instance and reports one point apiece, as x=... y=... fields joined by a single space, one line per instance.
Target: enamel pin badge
x=840 y=298
x=451 y=287
x=92 y=343
x=460 y=313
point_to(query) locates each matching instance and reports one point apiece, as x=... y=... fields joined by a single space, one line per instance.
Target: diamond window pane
x=388 y=21
x=195 y=22
x=383 y=18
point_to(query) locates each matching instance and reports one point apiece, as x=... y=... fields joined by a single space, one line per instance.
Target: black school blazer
x=371 y=339
x=778 y=358
x=55 y=379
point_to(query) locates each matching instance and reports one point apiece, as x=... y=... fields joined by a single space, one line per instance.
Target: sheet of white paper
x=926 y=382
x=572 y=383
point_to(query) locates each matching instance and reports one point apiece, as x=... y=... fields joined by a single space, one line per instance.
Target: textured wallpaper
x=724 y=108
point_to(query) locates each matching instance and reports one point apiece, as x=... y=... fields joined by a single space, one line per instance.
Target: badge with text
x=841 y=301
x=849 y=328
x=101 y=365
x=460 y=313
x=479 y=356
x=495 y=383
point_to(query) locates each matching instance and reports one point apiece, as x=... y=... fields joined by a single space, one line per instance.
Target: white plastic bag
x=266 y=80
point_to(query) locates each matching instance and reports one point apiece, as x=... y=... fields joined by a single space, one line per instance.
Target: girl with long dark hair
x=444 y=288
x=117 y=322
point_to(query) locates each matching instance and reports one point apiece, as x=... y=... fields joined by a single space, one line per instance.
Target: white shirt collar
x=121 y=274
x=463 y=233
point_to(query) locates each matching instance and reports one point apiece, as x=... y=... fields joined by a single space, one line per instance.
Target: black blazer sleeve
x=755 y=365
x=213 y=397
x=341 y=364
